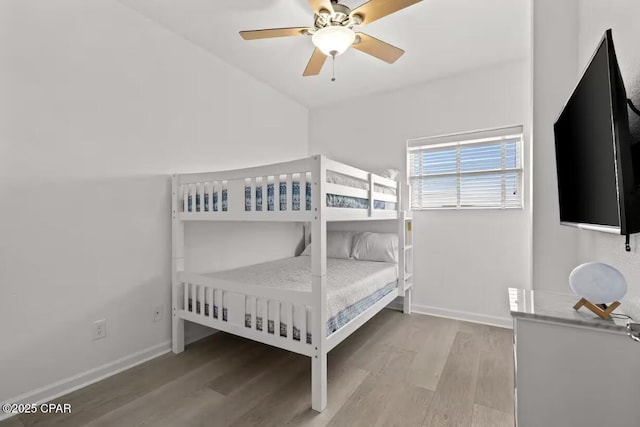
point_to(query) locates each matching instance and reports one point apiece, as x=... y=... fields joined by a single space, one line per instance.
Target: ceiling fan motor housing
x=340 y=16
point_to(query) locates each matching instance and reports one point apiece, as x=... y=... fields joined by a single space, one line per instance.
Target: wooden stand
x=603 y=313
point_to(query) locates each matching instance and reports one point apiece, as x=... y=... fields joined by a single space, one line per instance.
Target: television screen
x=587 y=141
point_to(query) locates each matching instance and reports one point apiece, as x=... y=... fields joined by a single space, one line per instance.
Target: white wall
x=98 y=106
x=596 y=16
x=565 y=36
x=555 y=26
x=465 y=260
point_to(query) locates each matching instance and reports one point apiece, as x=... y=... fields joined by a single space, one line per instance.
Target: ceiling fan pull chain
x=333 y=67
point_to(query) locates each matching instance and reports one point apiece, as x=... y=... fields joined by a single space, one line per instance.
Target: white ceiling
x=440 y=37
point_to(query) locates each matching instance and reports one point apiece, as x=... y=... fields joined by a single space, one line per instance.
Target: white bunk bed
x=295 y=316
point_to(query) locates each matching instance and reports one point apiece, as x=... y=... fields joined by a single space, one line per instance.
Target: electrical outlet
x=157 y=313
x=99 y=329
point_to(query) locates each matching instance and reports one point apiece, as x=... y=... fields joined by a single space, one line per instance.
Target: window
x=472 y=170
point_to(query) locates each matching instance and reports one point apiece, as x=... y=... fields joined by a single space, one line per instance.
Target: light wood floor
x=397 y=370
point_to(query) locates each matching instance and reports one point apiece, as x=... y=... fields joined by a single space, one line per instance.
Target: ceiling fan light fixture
x=334 y=40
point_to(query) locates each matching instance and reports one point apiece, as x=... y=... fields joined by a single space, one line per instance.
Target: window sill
x=470 y=208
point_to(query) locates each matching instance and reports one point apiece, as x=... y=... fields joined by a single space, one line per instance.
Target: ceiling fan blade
x=315 y=63
x=376 y=9
x=378 y=48
x=273 y=32
x=318 y=5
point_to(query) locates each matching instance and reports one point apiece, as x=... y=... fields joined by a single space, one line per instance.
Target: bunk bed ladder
x=177 y=264
x=405 y=260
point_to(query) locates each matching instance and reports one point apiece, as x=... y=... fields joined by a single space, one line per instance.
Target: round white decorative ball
x=598 y=282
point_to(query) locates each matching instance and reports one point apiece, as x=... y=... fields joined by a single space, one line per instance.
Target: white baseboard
x=83 y=379
x=467 y=316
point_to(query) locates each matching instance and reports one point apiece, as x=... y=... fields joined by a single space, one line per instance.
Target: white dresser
x=573 y=368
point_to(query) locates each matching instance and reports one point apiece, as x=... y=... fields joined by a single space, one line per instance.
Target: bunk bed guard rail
x=283 y=192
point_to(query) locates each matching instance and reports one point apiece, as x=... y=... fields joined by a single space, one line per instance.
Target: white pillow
x=375 y=247
x=339 y=244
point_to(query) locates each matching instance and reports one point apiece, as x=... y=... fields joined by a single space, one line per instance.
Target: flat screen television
x=597 y=171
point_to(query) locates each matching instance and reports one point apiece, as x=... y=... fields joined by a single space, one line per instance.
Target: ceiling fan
x=333 y=31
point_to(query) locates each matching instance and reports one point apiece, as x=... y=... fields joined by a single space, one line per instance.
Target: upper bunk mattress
x=348 y=281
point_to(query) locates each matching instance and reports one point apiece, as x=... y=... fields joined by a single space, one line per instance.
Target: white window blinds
x=473 y=170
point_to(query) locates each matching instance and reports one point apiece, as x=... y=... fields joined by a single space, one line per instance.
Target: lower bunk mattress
x=352 y=287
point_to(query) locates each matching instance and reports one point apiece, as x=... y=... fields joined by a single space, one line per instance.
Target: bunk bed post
x=318 y=286
x=177 y=264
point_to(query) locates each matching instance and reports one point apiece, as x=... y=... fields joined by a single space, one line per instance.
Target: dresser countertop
x=556 y=307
